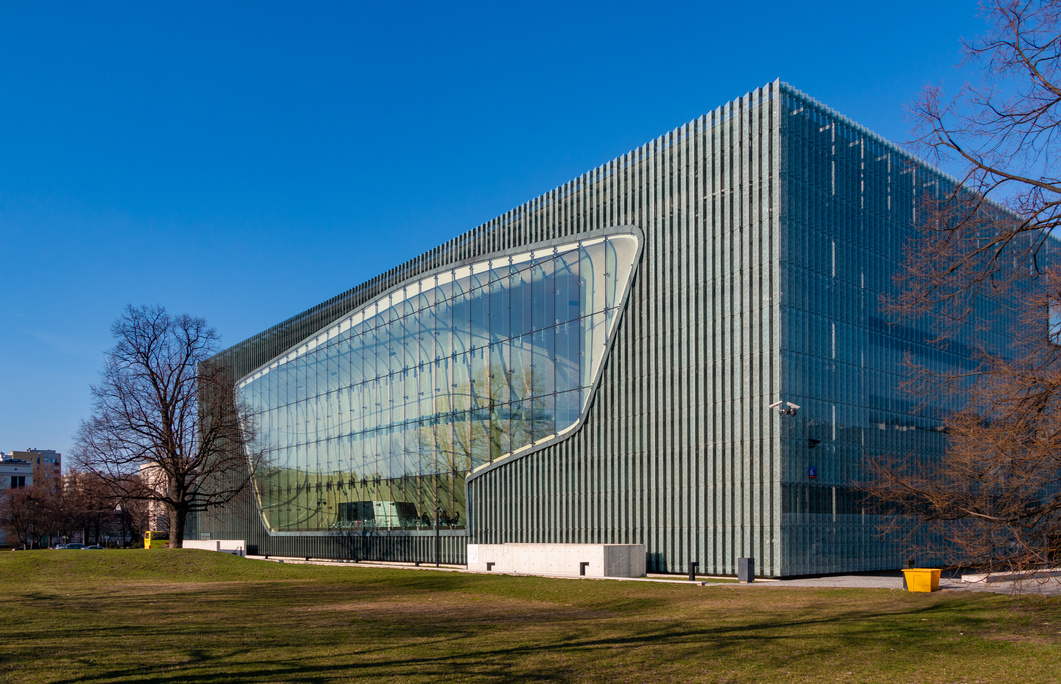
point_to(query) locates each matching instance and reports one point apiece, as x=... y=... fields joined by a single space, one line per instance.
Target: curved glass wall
x=377 y=420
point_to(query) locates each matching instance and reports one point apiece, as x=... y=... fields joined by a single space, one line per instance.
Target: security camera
x=789 y=410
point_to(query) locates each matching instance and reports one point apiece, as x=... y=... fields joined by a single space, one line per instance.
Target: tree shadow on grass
x=572 y=650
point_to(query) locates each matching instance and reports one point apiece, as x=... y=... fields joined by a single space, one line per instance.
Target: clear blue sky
x=245 y=161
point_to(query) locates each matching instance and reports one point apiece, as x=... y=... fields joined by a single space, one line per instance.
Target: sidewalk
x=894 y=580
x=884 y=580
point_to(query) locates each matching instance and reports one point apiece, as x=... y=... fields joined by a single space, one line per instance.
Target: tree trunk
x=178 y=518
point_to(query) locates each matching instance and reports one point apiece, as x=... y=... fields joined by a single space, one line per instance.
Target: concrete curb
x=990 y=578
x=702 y=580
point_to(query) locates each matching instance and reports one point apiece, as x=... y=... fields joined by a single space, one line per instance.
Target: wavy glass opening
x=379 y=418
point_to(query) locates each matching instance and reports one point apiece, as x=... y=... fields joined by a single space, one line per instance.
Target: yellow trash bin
x=922 y=579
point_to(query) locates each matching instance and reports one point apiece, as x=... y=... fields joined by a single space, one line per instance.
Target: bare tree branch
x=986 y=266
x=166 y=425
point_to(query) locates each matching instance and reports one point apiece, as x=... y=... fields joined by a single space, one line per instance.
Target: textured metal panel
x=678 y=450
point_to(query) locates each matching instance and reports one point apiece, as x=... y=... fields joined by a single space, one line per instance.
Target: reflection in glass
x=379 y=418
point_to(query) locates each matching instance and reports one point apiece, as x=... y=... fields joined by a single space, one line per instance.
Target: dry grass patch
x=196 y=616
x=462 y=609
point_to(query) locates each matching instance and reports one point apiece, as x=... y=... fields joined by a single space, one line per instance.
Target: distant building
x=14 y=474
x=157 y=513
x=20 y=469
x=46 y=462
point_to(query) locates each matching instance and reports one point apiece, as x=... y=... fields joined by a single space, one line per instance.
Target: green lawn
x=137 y=616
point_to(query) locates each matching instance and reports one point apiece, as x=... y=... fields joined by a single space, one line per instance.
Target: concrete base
x=234 y=546
x=987 y=578
x=573 y=560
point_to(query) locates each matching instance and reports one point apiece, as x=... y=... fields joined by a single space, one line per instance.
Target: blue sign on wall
x=812 y=472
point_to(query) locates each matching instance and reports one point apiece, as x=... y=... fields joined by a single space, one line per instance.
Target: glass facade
x=375 y=421
x=850 y=205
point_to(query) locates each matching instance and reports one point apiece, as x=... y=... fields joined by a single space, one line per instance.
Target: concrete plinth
x=574 y=560
x=234 y=546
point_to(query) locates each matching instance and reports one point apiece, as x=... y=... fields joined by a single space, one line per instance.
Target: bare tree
x=1002 y=129
x=32 y=514
x=166 y=425
x=987 y=265
x=133 y=521
x=89 y=505
x=994 y=499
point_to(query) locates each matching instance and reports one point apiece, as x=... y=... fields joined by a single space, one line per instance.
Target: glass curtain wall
x=850 y=207
x=377 y=420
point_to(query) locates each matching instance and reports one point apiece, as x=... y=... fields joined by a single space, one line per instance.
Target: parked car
x=75 y=545
x=58 y=546
x=94 y=547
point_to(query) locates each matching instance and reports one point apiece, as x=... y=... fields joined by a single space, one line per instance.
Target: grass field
x=176 y=616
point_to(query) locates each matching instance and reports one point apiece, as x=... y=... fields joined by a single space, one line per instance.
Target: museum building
x=682 y=348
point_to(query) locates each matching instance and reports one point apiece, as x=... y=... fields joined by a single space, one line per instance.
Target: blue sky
x=245 y=161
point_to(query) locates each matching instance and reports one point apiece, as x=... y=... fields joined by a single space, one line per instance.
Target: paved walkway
x=884 y=580
x=1047 y=586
